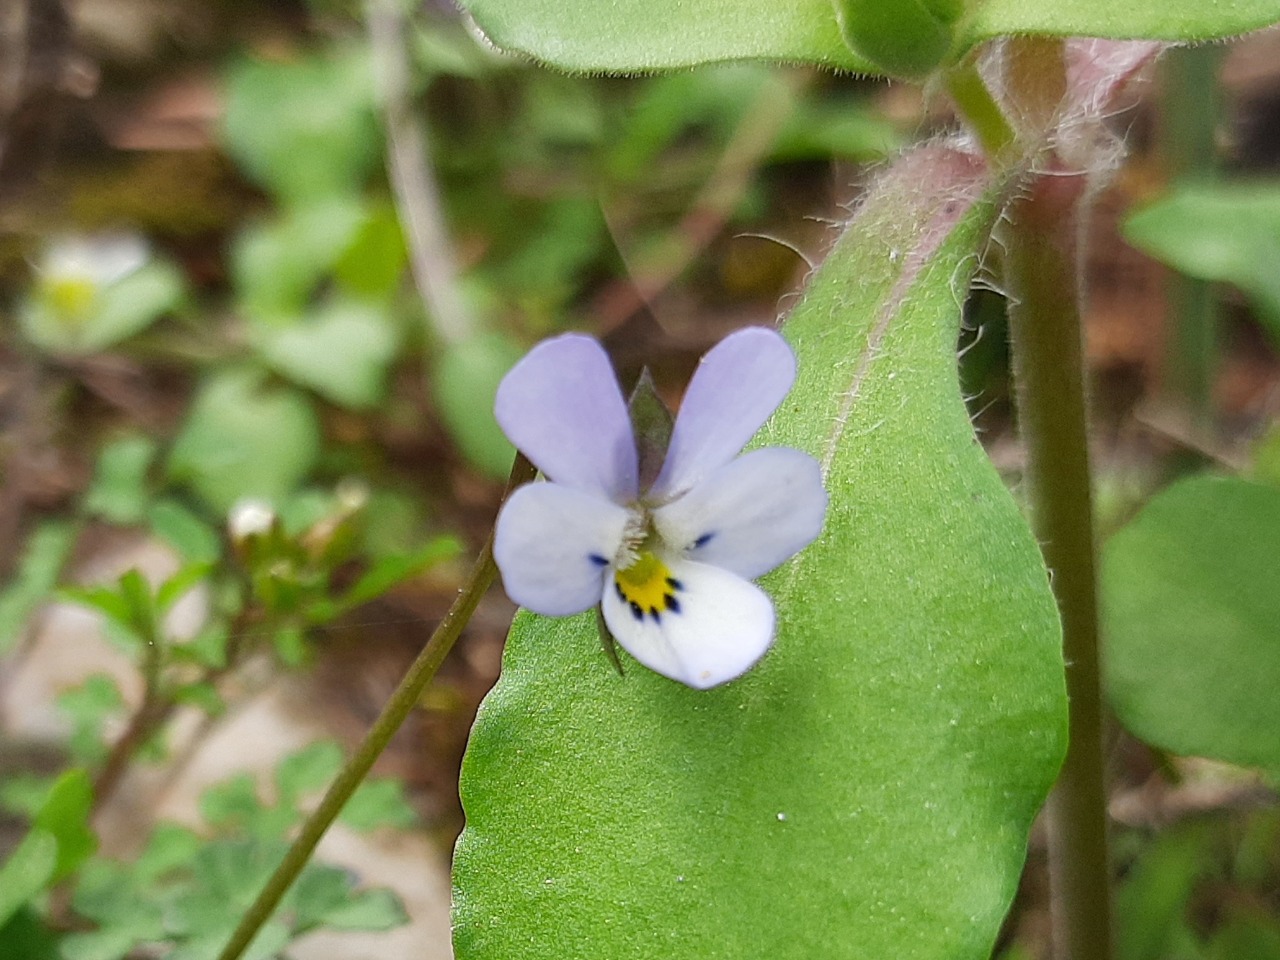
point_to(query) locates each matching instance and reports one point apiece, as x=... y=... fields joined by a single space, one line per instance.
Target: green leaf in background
x=819 y=129
x=341 y=350
x=324 y=897
x=88 y=707
x=1151 y=903
x=182 y=529
x=464 y=383
x=277 y=264
x=25 y=937
x=379 y=803
x=180 y=584
x=115 y=312
x=65 y=814
x=373 y=263
x=245 y=438
x=1192 y=601
x=28 y=870
x=864 y=792
x=304 y=128
x=42 y=560
x=111 y=894
x=24 y=793
x=669 y=106
x=388 y=572
x=905 y=38
x=120 y=492
x=1218 y=232
x=367 y=910
x=1249 y=933
x=307 y=771
x=232 y=804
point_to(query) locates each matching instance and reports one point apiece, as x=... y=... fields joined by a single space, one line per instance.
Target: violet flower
x=671 y=562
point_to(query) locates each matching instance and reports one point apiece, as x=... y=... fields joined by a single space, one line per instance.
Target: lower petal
x=552 y=545
x=713 y=628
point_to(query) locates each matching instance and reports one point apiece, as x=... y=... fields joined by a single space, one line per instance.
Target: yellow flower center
x=648 y=587
x=72 y=297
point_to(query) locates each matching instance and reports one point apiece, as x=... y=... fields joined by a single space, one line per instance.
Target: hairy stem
x=398 y=708
x=1042 y=277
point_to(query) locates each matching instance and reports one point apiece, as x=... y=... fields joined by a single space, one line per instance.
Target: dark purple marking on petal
x=703 y=540
x=636 y=610
x=617 y=587
x=674 y=584
x=598 y=560
x=672 y=603
x=653 y=612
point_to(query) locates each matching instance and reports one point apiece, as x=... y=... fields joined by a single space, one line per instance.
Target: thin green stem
x=1188 y=126
x=393 y=715
x=1041 y=274
x=979 y=108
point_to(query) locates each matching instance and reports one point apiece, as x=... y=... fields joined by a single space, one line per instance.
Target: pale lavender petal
x=562 y=408
x=739 y=383
x=751 y=514
x=552 y=545
x=717 y=628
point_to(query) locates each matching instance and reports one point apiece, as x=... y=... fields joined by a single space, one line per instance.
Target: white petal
x=561 y=406
x=738 y=384
x=102 y=258
x=749 y=515
x=719 y=627
x=552 y=545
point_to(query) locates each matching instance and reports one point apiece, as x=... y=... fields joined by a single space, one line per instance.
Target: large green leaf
x=662 y=34
x=1192 y=590
x=1138 y=19
x=865 y=792
x=902 y=39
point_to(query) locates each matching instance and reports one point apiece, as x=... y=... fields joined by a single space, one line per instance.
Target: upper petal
x=715 y=628
x=561 y=406
x=749 y=515
x=739 y=382
x=552 y=544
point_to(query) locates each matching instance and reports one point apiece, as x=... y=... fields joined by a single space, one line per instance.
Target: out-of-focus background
x=262 y=265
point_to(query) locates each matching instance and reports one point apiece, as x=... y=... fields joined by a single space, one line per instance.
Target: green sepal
x=608 y=641
x=651 y=422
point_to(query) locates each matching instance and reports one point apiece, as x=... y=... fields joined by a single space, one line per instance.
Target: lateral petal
x=561 y=406
x=552 y=545
x=738 y=384
x=749 y=515
x=719 y=626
